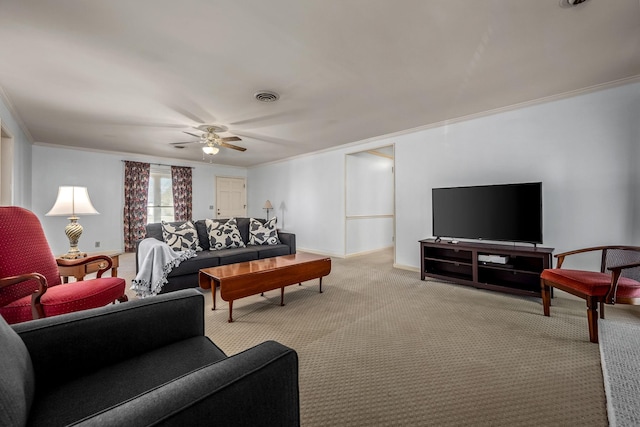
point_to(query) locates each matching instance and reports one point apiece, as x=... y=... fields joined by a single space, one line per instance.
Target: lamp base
x=74 y=255
x=73 y=230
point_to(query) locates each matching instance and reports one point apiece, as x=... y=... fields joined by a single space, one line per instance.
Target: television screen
x=509 y=212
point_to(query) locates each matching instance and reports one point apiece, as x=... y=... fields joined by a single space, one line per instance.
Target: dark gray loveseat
x=186 y=274
x=144 y=362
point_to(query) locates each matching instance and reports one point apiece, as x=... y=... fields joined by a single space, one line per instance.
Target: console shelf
x=458 y=263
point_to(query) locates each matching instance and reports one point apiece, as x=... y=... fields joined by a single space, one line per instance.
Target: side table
x=79 y=271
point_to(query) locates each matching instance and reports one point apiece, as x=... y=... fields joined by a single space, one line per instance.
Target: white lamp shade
x=267 y=205
x=210 y=150
x=72 y=201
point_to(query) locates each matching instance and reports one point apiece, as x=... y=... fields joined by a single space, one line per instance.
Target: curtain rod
x=158 y=164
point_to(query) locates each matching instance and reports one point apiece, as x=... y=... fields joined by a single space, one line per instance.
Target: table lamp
x=268 y=206
x=72 y=201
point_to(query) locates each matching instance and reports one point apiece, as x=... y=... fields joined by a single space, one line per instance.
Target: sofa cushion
x=89 y=394
x=16 y=378
x=268 y=251
x=204 y=259
x=154 y=229
x=224 y=235
x=203 y=236
x=232 y=256
x=263 y=233
x=181 y=237
x=243 y=227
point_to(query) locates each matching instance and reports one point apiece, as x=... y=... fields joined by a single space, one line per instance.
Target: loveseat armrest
x=288 y=239
x=70 y=345
x=257 y=387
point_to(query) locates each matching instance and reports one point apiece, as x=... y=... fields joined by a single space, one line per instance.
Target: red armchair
x=618 y=281
x=30 y=284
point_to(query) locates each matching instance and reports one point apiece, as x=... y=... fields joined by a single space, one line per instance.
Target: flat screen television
x=507 y=212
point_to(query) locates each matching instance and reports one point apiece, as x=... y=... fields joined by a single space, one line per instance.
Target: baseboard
x=372 y=251
x=406 y=267
x=316 y=252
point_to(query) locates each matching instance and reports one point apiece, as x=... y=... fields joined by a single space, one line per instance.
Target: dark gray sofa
x=144 y=362
x=186 y=274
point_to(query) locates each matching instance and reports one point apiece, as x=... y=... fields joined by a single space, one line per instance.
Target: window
x=160 y=204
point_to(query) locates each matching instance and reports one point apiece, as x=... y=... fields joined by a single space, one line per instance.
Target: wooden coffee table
x=254 y=277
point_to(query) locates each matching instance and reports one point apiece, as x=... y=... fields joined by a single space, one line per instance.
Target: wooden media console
x=459 y=263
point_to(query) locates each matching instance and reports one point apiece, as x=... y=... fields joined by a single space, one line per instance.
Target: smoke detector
x=266 y=96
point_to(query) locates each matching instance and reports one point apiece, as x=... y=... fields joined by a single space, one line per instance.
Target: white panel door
x=231 y=197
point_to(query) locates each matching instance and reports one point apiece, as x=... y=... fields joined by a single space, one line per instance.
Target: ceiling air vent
x=570 y=3
x=266 y=96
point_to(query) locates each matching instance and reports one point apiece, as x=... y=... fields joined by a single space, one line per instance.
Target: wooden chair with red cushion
x=618 y=281
x=30 y=284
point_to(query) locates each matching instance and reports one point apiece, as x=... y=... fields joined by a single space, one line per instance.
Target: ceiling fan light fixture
x=266 y=96
x=210 y=150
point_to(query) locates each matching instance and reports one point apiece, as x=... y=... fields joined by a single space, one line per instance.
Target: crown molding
x=138 y=157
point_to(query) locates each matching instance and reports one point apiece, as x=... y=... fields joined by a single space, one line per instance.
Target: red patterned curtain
x=182 y=193
x=136 y=196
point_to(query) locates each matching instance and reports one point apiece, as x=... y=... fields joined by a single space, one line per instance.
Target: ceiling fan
x=211 y=139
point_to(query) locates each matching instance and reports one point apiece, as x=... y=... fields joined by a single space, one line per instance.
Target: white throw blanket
x=155 y=261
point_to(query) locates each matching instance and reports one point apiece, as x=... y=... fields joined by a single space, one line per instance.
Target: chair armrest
x=37 y=311
x=288 y=239
x=8 y=281
x=258 y=387
x=616 y=273
x=70 y=345
x=562 y=255
x=87 y=260
x=624 y=266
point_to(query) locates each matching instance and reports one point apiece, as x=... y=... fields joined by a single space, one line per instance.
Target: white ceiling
x=132 y=75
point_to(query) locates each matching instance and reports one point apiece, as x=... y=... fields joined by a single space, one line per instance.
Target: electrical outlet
x=211 y=207
x=97 y=244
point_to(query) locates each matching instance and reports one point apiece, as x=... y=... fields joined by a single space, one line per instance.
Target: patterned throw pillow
x=263 y=234
x=181 y=237
x=223 y=235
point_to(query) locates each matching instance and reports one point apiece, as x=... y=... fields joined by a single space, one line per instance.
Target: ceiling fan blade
x=233 y=147
x=182 y=143
x=230 y=138
x=192 y=134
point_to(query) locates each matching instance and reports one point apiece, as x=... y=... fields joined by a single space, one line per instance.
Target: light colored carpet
x=381 y=347
x=620 y=352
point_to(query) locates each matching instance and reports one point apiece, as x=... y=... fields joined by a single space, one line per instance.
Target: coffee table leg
x=230 y=311
x=281 y=296
x=213 y=294
x=320 y=284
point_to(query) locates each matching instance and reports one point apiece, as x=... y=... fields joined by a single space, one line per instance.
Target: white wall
x=21 y=157
x=580 y=148
x=308 y=197
x=369 y=192
x=369 y=185
x=103 y=175
x=634 y=160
